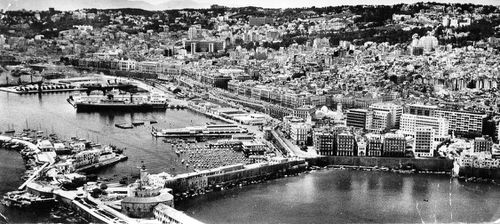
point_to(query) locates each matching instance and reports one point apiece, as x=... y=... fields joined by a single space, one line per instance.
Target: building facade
x=359 y=118
x=374 y=145
x=410 y=122
x=325 y=143
x=463 y=122
x=424 y=142
x=394 y=145
x=483 y=144
x=395 y=112
x=346 y=144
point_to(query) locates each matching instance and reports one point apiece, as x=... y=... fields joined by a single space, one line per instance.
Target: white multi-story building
x=423 y=142
x=395 y=112
x=381 y=121
x=299 y=132
x=288 y=121
x=410 y=122
x=463 y=121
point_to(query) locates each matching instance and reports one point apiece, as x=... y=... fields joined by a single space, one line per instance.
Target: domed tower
x=142 y=197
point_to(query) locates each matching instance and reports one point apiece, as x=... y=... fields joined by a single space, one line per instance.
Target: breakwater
x=418 y=164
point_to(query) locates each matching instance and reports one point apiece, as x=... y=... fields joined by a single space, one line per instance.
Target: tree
x=96 y=192
x=104 y=186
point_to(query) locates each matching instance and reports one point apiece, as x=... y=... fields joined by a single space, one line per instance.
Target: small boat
x=153 y=122
x=54 y=216
x=124 y=126
x=137 y=123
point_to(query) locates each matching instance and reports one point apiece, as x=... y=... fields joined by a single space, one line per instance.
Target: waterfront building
x=254 y=147
x=346 y=144
x=410 y=122
x=374 y=145
x=299 y=132
x=395 y=112
x=423 y=144
x=324 y=142
x=143 y=197
x=463 y=122
x=483 y=144
x=394 y=145
x=362 y=146
x=168 y=215
x=359 y=118
x=288 y=121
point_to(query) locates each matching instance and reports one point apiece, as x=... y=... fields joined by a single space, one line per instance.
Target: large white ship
x=119 y=101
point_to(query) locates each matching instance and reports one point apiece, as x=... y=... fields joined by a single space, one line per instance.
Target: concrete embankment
x=249 y=174
x=427 y=164
x=484 y=173
x=100 y=165
x=257 y=173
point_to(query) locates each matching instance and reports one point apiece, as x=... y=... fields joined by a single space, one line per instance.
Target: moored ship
x=24 y=199
x=116 y=101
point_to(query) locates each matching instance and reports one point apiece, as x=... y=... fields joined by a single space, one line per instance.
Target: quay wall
x=256 y=173
x=234 y=176
x=419 y=164
x=485 y=173
x=78 y=207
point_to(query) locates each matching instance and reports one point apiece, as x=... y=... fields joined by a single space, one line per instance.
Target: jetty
x=215 y=130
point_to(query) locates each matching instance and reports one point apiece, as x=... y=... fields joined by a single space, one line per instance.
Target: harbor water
x=350 y=196
x=328 y=196
x=52 y=114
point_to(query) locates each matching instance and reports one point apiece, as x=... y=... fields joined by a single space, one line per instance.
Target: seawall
x=419 y=164
x=485 y=173
x=233 y=177
x=257 y=173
